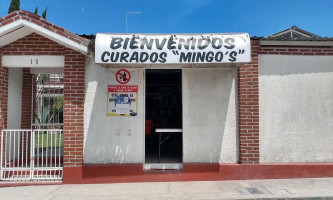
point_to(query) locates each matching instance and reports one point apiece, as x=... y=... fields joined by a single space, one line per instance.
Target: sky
x=256 y=17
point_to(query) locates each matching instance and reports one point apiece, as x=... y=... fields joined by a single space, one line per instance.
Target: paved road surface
x=315 y=188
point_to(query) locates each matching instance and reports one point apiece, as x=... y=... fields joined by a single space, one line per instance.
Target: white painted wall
x=209 y=119
x=14 y=98
x=14 y=105
x=110 y=139
x=296 y=108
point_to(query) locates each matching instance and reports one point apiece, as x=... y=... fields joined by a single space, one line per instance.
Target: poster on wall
x=172 y=48
x=122 y=92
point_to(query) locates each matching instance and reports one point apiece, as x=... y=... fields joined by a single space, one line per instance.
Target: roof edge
x=296 y=43
x=39 y=25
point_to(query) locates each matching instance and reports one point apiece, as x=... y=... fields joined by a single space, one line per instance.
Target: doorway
x=36 y=153
x=163 y=116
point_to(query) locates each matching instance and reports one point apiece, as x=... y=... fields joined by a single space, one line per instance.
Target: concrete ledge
x=122 y=173
x=28 y=183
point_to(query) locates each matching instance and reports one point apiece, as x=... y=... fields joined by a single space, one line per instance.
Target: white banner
x=157 y=49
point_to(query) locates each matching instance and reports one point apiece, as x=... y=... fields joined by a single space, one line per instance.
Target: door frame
x=156 y=166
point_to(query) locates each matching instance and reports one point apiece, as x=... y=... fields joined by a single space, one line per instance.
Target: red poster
x=122 y=88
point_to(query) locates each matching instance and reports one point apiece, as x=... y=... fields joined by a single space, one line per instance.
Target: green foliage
x=58 y=107
x=44 y=117
x=14 y=5
x=43 y=78
x=58 y=103
x=44 y=13
x=43 y=140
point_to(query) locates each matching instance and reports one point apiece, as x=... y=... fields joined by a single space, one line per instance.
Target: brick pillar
x=26 y=110
x=26 y=99
x=248 y=98
x=3 y=96
x=74 y=92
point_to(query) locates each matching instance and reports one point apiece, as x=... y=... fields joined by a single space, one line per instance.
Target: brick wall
x=74 y=90
x=33 y=44
x=248 y=95
x=3 y=95
x=248 y=99
x=285 y=50
x=26 y=99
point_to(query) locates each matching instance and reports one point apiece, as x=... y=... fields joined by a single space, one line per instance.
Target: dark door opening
x=163 y=129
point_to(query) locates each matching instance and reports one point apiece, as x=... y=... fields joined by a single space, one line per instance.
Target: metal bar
x=59 y=94
x=5 y=147
x=49 y=100
x=25 y=142
x=51 y=148
x=1 y=172
x=55 y=150
x=47 y=152
x=60 y=147
x=47 y=148
x=18 y=148
x=13 y=155
x=49 y=124
x=38 y=142
x=32 y=102
x=14 y=149
x=42 y=149
x=22 y=153
x=36 y=154
x=26 y=149
x=13 y=166
x=41 y=98
x=32 y=154
x=58 y=113
x=22 y=149
x=19 y=173
x=10 y=143
x=159 y=147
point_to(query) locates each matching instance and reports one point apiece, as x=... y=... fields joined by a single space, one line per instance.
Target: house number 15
x=34 y=61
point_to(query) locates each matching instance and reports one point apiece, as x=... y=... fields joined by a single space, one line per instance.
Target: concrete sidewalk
x=311 y=188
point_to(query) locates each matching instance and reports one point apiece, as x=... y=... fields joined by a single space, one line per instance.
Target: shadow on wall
x=90 y=107
x=229 y=144
x=109 y=139
x=95 y=149
x=287 y=64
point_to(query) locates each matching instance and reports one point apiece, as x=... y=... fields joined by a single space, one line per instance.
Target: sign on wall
x=33 y=61
x=122 y=92
x=158 y=49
